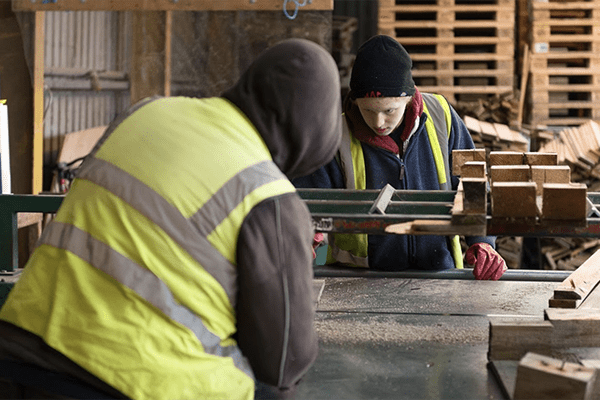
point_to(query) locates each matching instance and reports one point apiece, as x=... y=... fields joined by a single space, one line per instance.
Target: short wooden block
x=459 y=157
x=474 y=169
x=514 y=199
x=510 y=173
x=541 y=174
x=506 y=158
x=474 y=195
x=535 y=158
x=542 y=377
x=564 y=201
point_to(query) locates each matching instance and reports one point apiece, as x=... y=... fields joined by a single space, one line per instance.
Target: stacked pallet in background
x=565 y=63
x=342 y=33
x=462 y=49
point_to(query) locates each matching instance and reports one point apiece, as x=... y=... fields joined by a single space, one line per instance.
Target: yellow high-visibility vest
x=135 y=279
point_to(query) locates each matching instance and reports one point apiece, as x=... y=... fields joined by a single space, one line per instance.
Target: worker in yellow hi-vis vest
x=179 y=265
x=396 y=135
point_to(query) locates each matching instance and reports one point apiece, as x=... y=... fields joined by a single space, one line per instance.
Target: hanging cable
x=297 y=3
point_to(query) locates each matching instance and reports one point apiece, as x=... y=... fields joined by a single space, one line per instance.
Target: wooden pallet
x=565 y=60
x=463 y=50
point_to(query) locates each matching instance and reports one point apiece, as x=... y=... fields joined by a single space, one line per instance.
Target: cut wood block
x=510 y=173
x=564 y=201
x=541 y=174
x=536 y=158
x=542 y=377
x=474 y=169
x=582 y=281
x=474 y=195
x=506 y=158
x=459 y=157
x=514 y=199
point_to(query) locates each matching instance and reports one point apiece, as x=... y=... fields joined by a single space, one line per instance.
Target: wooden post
x=38 y=103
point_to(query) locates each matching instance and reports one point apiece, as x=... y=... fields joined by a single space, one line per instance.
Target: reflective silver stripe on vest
x=166 y=216
x=140 y=280
x=230 y=195
x=345 y=156
x=344 y=256
x=438 y=117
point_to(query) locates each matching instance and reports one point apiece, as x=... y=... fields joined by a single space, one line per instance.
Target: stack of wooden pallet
x=565 y=43
x=461 y=49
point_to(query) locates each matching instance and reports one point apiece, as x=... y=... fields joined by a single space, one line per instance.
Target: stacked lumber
x=462 y=50
x=564 y=84
x=495 y=136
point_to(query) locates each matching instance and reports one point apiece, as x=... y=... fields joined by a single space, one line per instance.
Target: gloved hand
x=317 y=240
x=487 y=263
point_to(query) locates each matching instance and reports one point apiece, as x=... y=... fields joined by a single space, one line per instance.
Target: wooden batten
x=536 y=158
x=541 y=174
x=460 y=157
x=474 y=169
x=506 y=158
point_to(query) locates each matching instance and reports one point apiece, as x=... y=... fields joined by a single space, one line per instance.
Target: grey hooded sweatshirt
x=291 y=94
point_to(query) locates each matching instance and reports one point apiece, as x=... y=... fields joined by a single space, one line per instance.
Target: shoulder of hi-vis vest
x=352 y=249
x=135 y=279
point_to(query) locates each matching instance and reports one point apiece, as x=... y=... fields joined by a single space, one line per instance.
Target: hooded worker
x=179 y=264
x=396 y=135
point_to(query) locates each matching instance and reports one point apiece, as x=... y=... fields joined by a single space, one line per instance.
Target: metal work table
x=406 y=338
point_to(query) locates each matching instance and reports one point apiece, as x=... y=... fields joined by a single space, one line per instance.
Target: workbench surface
x=392 y=338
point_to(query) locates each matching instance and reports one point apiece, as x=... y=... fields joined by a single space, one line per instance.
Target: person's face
x=383 y=114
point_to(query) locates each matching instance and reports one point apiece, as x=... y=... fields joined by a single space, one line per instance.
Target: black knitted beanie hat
x=382 y=68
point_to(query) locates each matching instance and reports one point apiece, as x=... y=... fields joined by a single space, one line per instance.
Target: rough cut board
x=580 y=282
x=459 y=157
x=158 y=5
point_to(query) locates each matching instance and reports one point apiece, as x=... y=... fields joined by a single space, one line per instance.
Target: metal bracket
x=383 y=200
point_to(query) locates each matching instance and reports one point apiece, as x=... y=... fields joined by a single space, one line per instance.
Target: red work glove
x=317 y=240
x=487 y=263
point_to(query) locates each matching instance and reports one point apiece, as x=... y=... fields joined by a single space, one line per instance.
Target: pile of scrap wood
x=499 y=108
x=494 y=136
x=579 y=147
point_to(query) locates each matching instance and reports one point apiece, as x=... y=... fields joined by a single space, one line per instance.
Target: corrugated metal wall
x=85 y=73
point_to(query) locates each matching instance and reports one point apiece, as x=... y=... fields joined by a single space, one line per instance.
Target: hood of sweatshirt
x=291 y=94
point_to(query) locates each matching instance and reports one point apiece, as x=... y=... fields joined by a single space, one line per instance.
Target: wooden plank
x=512 y=338
x=474 y=195
x=506 y=158
x=164 y=5
x=581 y=281
x=543 y=377
x=541 y=174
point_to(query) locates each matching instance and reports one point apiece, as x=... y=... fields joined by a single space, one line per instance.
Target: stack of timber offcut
x=565 y=48
x=494 y=136
x=462 y=49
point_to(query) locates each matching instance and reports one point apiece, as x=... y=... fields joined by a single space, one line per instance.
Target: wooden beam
x=166 y=5
x=150 y=54
x=510 y=173
x=38 y=104
x=459 y=157
x=564 y=201
x=514 y=200
x=506 y=158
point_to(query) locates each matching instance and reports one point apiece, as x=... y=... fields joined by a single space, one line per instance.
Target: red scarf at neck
x=362 y=132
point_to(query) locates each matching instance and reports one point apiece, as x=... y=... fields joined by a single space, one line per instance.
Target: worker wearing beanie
x=396 y=135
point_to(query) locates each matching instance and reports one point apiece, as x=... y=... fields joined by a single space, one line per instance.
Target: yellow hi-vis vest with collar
x=352 y=249
x=135 y=279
